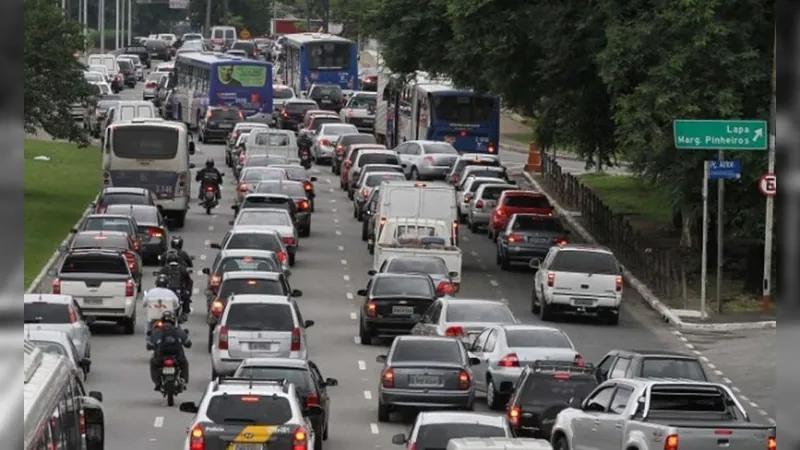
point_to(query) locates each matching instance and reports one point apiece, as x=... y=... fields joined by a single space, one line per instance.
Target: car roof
x=369 y=174
x=489 y=168
x=48 y=298
x=526 y=326
x=267 y=194
x=131 y=207
x=273 y=362
x=109 y=216
x=377 y=151
x=440 y=417
x=259 y=298
x=124 y=190
x=411 y=337
x=38 y=334
x=241 y=253
x=256 y=230
x=461 y=301
x=257 y=274
x=381 y=275
x=374 y=145
x=584 y=248
x=465 y=156
x=476 y=179
x=656 y=353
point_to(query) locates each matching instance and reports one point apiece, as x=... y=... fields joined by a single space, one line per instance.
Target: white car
x=57 y=342
x=99 y=68
x=50 y=312
x=466 y=194
x=165 y=67
x=151 y=85
x=105 y=88
x=325 y=139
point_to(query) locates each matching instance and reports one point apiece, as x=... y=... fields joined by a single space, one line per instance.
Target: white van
x=108 y=60
x=498 y=444
x=222 y=37
x=416 y=199
x=151 y=154
x=129 y=110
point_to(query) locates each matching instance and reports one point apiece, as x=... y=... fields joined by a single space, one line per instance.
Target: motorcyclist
x=178 y=278
x=176 y=244
x=169 y=341
x=209 y=175
x=158 y=300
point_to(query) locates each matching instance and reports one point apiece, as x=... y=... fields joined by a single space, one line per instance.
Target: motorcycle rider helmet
x=209 y=163
x=171 y=257
x=168 y=317
x=162 y=281
x=176 y=243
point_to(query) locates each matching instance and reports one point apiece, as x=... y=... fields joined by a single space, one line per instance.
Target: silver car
x=325 y=139
x=360 y=111
x=253 y=326
x=425 y=372
x=504 y=350
x=463 y=319
x=483 y=203
x=465 y=194
x=271 y=219
x=427 y=160
x=433 y=430
x=57 y=342
x=52 y=312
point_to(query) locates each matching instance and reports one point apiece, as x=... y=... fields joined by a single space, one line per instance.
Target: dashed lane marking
x=349 y=295
x=335 y=220
x=207 y=243
x=333 y=200
x=203 y=257
x=373 y=427
x=361 y=364
x=200 y=273
x=346 y=277
x=353 y=316
x=195 y=291
x=356 y=339
x=493 y=283
x=159 y=422
x=344 y=262
x=211 y=228
x=367 y=395
x=330 y=189
x=341 y=248
x=338 y=232
x=333 y=210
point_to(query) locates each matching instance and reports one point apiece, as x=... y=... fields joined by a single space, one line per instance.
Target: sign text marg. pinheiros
x=720 y=135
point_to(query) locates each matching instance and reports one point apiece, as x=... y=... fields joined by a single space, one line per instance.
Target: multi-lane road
x=332 y=265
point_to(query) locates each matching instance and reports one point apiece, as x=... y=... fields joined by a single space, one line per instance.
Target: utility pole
x=101 y=24
x=308 y=15
x=769 y=221
x=207 y=31
x=121 y=24
x=225 y=18
x=116 y=28
x=326 y=15
x=130 y=22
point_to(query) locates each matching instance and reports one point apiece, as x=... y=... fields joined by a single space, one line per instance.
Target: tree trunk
x=687 y=224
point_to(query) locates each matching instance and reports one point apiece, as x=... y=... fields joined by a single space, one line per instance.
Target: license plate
x=325 y=100
x=424 y=380
x=537 y=240
x=368 y=120
x=209 y=194
x=226 y=125
x=582 y=301
x=264 y=346
x=248 y=446
x=403 y=310
x=168 y=371
x=93 y=300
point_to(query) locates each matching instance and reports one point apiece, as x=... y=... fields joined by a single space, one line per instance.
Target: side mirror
x=621 y=269
x=399 y=439
x=362 y=292
x=192 y=165
x=474 y=361
x=308 y=324
x=149 y=333
x=192 y=149
x=62 y=248
x=86 y=363
x=331 y=382
x=453 y=274
x=206 y=271
x=188 y=407
x=314 y=411
x=97 y=395
x=575 y=402
x=186 y=331
x=535 y=263
x=216 y=246
x=297 y=293
x=73 y=230
x=312 y=179
x=372 y=272
x=381 y=359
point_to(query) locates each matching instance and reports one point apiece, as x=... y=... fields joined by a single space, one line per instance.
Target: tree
x=54 y=79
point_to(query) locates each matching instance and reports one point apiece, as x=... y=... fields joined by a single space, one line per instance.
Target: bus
x=57 y=413
x=320 y=58
x=212 y=79
x=437 y=111
x=152 y=154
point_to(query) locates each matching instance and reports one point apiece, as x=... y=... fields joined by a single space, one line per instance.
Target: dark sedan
x=292 y=113
x=218 y=123
x=393 y=304
x=528 y=236
x=432 y=266
x=152 y=228
x=140 y=51
x=298 y=173
x=296 y=192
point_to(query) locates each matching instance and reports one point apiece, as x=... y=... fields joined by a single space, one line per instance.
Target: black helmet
x=162 y=281
x=168 y=316
x=176 y=242
x=171 y=257
x=209 y=163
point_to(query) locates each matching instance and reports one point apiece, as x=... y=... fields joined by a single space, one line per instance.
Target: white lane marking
x=159 y=422
x=338 y=233
x=346 y=277
x=211 y=228
x=203 y=257
x=367 y=395
x=330 y=189
x=754 y=405
x=333 y=210
x=362 y=365
x=195 y=291
x=718 y=373
x=344 y=262
x=373 y=427
x=335 y=220
x=474 y=253
x=705 y=360
x=711 y=366
x=493 y=283
x=465 y=238
x=341 y=248
x=353 y=316
x=727 y=380
x=356 y=339
x=349 y=296
x=690 y=346
x=333 y=200
x=736 y=389
x=200 y=273
x=213 y=216
x=744 y=398
x=772 y=421
x=207 y=243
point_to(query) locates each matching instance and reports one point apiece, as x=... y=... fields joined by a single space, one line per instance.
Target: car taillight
x=155 y=232
x=182 y=179
x=303 y=205
x=82 y=422
x=222 y=343
x=551 y=279
x=515 y=238
x=445 y=288
x=242 y=187
x=131 y=260
x=772 y=443
x=464 y=380
x=429 y=160
x=285 y=115
x=619 y=284
x=308 y=186
x=300 y=441
x=339 y=149
x=296 y=344
x=479 y=204
x=579 y=360
x=235 y=135
x=387 y=379
x=559 y=241
x=288 y=241
x=412 y=446
x=372 y=309
x=72 y=316
x=129 y=288
x=137 y=245
x=513 y=416
x=282 y=257
x=56 y=286
x=197 y=440
x=455 y=178
x=150 y=84
x=312 y=399
x=214 y=280
x=210 y=188
x=208 y=115
x=216 y=308
x=490 y=148
x=242 y=158
x=671 y=443
x=169 y=363
x=325 y=143
x=454 y=231
x=364 y=193
x=510 y=360
x=454 y=331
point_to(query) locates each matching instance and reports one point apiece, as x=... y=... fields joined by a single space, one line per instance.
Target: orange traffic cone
x=534 y=159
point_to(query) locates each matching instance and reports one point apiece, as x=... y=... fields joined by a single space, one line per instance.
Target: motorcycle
x=210 y=198
x=171 y=381
x=305 y=159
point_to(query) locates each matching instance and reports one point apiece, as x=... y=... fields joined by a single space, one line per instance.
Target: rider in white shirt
x=158 y=300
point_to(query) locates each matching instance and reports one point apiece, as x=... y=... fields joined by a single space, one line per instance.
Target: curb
x=666 y=313
x=35 y=284
x=518 y=148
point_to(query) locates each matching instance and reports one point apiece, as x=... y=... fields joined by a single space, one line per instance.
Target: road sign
x=768 y=185
x=178 y=4
x=724 y=170
x=720 y=134
x=244 y=34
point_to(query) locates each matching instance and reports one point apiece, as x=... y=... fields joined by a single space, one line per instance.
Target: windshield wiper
x=238 y=419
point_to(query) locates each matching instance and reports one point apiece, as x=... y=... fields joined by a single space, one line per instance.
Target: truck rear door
x=99 y=282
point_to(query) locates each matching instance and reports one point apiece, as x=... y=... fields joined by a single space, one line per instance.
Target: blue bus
x=432 y=111
x=320 y=58
x=213 y=79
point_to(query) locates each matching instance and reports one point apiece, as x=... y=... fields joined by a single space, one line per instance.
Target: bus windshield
x=329 y=55
x=463 y=109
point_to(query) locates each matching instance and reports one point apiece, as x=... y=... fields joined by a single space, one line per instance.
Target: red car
x=516 y=202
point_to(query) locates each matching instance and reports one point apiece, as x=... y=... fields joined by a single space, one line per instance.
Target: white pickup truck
x=268 y=141
x=411 y=236
x=102 y=284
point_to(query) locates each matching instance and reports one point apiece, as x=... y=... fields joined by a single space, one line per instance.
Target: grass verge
x=56 y=192
x=522 y=138
x=630 y=196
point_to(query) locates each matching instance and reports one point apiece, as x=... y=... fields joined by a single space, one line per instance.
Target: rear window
x=401 y=286
x=477 y=183
x=99 y=241
x=53 y=348
x=124 y=199
x=556 y=388
x=135 y=50
x=296 y=172
x=249 y=47
x=290 y=189
x=243 y=263
x=94 y=264
x=46 y=313
x=267 y=202
x=430 y=266
x=141 y=215
x=251 y=286
x=377 y=158
x=436 y=436
x=493 y=193
x=125 y=65
x=145 y=142
x=672 y=368
x=488 y=173
x=264 y=161
x=226 y=114
x=249 y=409
x=596 y=263
x=467 y=109
x=478 y=312
x=272 y=139
x=374 y=180
x=282 y=93
x=254 y=241
x=527 y=201
x=334 y=130
x=537 y=338
x=692 y=399
x=428 y=350
x=296 y=108
x=101 y=224
x=439 y=149
x=264 y=174
x=537 y=223
x=360 y=138
x=154 y=44
x=263 y=218
x=362 y=102
x=260 y=316
x=301 y=378
x=326 y=90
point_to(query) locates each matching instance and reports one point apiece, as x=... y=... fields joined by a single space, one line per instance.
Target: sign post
x=704 y=257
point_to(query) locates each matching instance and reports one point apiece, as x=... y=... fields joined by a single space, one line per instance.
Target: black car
x=370 y=211
x=157 y=49
x=650 y=364
x=128 y=71
x=328 y=96
x=343 y=144
x=543 y=390
x=219 y=122
x=296 y=172
x=393 y=304
x=529 y=236
x=152 y=228
x=140 y=51
x=248 y=47
x=368 y=80
x=292 y=113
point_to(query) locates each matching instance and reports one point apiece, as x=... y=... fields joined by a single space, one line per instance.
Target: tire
x=129 y=325
x=534 y=305
x=210 y=339
x=208 y=210
x=505 y=264
x=473 y=227
x=364 y=335
x=560 y=443
x=170 y=397
x=305 y=231
x=613 y=319
x=490 y=234
x=325 y=432
x=350 y=194
x=383 y=413
x=214 y=374
x=414 y=175
x=312 y=205
x=317 y=442
x=364 y=231
x=180 y=219
x=292 y=257
x=544 y=312
x=496 y=401
x=355 y=212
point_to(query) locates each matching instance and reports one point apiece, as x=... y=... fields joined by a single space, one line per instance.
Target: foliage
x=53 y=76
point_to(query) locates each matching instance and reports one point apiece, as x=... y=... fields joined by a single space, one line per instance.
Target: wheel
x=505 y=264
x=371 y=249
x=490 y=234
x=613 y=319
x=317 y=442
x=210 y=338
x=325 y=433
x=129 y=325
x=544 y=311
x=350 y=194
x=364 y=232
x=180 y=219
x=214 y=374
x=534 y=302
x=364 y=335
x=355 y=212
x=560 y=443
x=291 y=259
x=383 y=413
x=414 y=174
x=208 y=210
x=170 y=397
x=312 y=206
x=495 y=400
x=473 y=227
x=305 y=231
x=497 y=258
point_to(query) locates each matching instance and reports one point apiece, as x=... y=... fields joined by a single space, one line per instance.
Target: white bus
x=58 y=414
x=151 y=154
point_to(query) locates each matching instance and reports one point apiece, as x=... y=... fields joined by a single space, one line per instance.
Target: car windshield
x=259 y=316
x=272 y=139
x=360 y=138
x=242 y=263
x=478 y=312
x=435 y=436
x=683 y=368
x=267 y=217
x=325 y=90
x=52 y=348
x=402 y=286
x=433 y=350
x=290 y=189
x=264 y=160
x=250 y=409
x=41 y=312
x=430 y=266
x=537 y=223
x=556 y=388
x=589 y=262
x=99 y=240
x=439 y=149
x=374 y=180
x=263 y=174
x=251 y=286
x=377 y=158
x=141 y=215
x=301 y=378
x=226 y=114
x=296 y=172
x=95 y=77
x=103 y=224
x=254 y=241
x=154 y=76
x=335 y=130
x=362 y=102
x=537 y=338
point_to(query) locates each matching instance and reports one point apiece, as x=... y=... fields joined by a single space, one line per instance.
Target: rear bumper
x=433 y=172
x=177 y=204
x=523 y=253
x=480 y=217
x=389 y=325
x=154 y=247
x=304 y=219
x=111 y=309
x=568 y=303
x=504 y=379
x=216 y=133
x=418 y=399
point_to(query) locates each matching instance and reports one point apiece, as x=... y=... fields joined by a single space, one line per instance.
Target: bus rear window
x=329 y=55
x=145 y=142
x=463 y=109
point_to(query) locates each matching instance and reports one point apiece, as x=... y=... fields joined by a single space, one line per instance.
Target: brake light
x=137 y=245
x=155 y=232
x=288 y=241
x=282 y=257
x=579 y=360
x=197 y=439
x=182 y=179
x=772 y=443
x=513 y=416
x=429 y=160
x=312 y=399
x=82 y=422
x=285 y=115
x=559 y=241
x=208 y=115
x=216 y=308
x=551 y=279
x=150 y=84
x=490 y=148
x=454 y=331
x=562 y=376
x=464 y=380
x=479 y=204
x=339 y=149
x=723 y=432
x=129 y=288
x=364 y=193
x=235 y=135
x=445 y=288
x=72 y=316
x=372 y=309
x=308 y=186
x=56 y=286
x=387 y=379
x=242 y=158
x=619 y=284
x=515 y=238
x=169 y=363
x=131 y=259
x=296 y=344
x=412 y=446
x=671 y=443
x=222 y=343
x=242 y=187
x=214 y=280
x=303 y=204
x=210 y=188
x=510 y=360
x=325 y=143
x=454 y=231
x=300 y=439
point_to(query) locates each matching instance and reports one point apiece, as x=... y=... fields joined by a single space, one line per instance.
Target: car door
x=80 y=329
x=620 y=368
x=477 y=351
x=585 y=426
x=612 y=423
x=402 y=155
x=603 y=369
x=319 y=381
x=414 y=155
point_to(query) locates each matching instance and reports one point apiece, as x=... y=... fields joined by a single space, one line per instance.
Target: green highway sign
x=720 y=134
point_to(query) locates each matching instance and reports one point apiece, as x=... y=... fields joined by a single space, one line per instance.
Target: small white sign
x=768 y=185
x=178 y=4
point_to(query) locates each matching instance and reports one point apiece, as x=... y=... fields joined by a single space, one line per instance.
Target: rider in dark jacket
x=160 y=338
x=209 y=175
x=172 y=266
x=176 y=244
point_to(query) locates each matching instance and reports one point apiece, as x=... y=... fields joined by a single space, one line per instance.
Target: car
x=470 y=159
x=128 y=72
x=57 y=342
x=619 y=363
x=360 y=111
x=248 y=413
x=328 y=96
x=112 y=222
x=350 y=158
x=249 y=177
x=123 y=196
x=466 y=194
x=281 y=94
x=258 y=326
x=218 y=123
x=369 y=213
x=364 y=157
x=151 y=85
x=248 y=47
x=432 y=430
x=505 y=349
x=108 y=240
x=367 y=182
x=425 y=372
x=258 y=160
x=239 y=129
x=577 y=279
x=140 y=51
x=158 y=49
x=270 y=141
x=427 y=160
x=498 y=172
x=248 y=239
x=368 y=79
x=296 y=191
x=432 y=266
x=483 y=203
x=292 y=112
x=516 y=202
x=528 y=236
x=152 y=228
x=311 y=386
x=239 y=260
x=393 y=304
x=325 y=134
x=343 y=144
x=49 y=312
x=296 y=172
x=296 y=207
x=96 y=116
x=246 y=282
x=462 y=318
x=544 y=389
x=281 y=222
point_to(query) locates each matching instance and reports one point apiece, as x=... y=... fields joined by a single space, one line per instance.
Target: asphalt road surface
x=332 y=265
